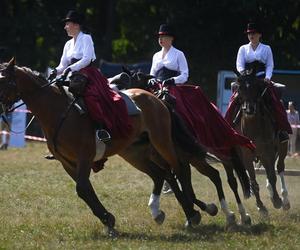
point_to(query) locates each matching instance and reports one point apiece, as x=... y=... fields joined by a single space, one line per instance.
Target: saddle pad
x=131 y=106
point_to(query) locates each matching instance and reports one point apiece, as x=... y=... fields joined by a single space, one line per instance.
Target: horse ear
x=11 y=65
x=12 y=62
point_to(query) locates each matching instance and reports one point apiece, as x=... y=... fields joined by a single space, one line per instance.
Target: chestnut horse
x=189 y=157
x=75 y=143
x=256 y=122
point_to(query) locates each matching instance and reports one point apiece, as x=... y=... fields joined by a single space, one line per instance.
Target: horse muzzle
x=249 y=109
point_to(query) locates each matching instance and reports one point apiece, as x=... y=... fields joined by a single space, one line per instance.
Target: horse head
x=9 y=93
x=250 y=91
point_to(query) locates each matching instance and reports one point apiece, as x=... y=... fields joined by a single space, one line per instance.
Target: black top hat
x=253 y=28
x=74 y=17
x=166 y=30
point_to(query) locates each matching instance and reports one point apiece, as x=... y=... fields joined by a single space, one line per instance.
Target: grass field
x=39 y=209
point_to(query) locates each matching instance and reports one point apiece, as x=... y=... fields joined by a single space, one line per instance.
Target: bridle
x=11 y=86
x=249 y=107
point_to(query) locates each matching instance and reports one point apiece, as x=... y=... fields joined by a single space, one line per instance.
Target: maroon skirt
x=105 y=106
x=206 y=122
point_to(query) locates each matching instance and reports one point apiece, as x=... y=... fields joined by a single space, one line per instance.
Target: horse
x=71 y=138
x=256 y=122
x=231 y=164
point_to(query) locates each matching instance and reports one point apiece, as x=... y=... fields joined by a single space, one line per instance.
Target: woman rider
x=259 y=55
x=169 y=66
x=105 y=107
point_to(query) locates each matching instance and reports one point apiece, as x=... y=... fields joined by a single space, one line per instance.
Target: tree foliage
x=208 y=31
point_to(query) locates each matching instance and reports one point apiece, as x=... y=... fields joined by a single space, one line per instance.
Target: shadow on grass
x=202 y=232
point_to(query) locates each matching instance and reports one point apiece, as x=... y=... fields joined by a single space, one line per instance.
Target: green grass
x=39 y=209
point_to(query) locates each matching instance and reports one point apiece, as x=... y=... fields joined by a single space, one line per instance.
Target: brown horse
x=74 y=143
x=191 y=157
x=256 y=122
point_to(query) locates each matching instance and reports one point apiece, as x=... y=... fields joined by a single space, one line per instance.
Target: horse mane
x=34 y=74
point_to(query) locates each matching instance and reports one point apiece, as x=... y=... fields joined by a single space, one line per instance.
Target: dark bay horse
x=76 y=147
x=256 y=122
x=189 y=157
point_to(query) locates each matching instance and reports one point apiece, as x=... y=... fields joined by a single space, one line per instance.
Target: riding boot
x=99 y=165
x=283 y=136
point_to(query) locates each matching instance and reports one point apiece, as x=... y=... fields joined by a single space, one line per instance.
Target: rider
x=105 y=107
x=259 y=55
x=169 y=66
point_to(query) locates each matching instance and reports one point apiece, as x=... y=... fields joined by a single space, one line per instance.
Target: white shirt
x=262 y=53
x=82 y=49
x=173 y=60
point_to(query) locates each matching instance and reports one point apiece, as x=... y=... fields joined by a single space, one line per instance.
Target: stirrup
x=103 y=135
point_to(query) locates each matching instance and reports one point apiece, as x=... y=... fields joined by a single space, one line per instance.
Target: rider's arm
x=269 y=63
x=240 y=60
x=183 y=69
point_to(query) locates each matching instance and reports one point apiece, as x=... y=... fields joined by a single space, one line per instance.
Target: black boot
x=283 y=136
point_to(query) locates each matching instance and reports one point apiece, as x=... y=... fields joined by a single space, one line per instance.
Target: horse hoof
x=286 y=206
x=246 y=220
x=230 y=220
x=112 y=233
x=277 y=203
x=211 y=209
x=263 y=211
x=109 y=221
x=159 y=219
x=193 y=221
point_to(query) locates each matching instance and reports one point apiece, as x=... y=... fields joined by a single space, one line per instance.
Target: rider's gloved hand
x=61 y=80
x=151 y=82
x=52 y=75
x=169 y=82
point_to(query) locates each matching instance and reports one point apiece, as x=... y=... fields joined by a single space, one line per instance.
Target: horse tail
x=185 y=139
x=241 y=172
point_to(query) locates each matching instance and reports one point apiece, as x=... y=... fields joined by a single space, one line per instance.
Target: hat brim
x=70 y=20
x=165 y=34
x=252 y=31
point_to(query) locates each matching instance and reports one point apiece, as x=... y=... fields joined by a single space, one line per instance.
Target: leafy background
x=208 y=31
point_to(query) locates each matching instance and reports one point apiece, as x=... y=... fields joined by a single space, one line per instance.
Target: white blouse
x=173 y=60
x=262 y=53
x=82 y=49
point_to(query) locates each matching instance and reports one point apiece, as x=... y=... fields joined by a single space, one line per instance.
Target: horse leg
x=137 y=156
x=165 y=157
x=245 y=217
x=204 y=168
x=248 y=162
x=86 y=192
x=282 y=152
x=271 y=180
